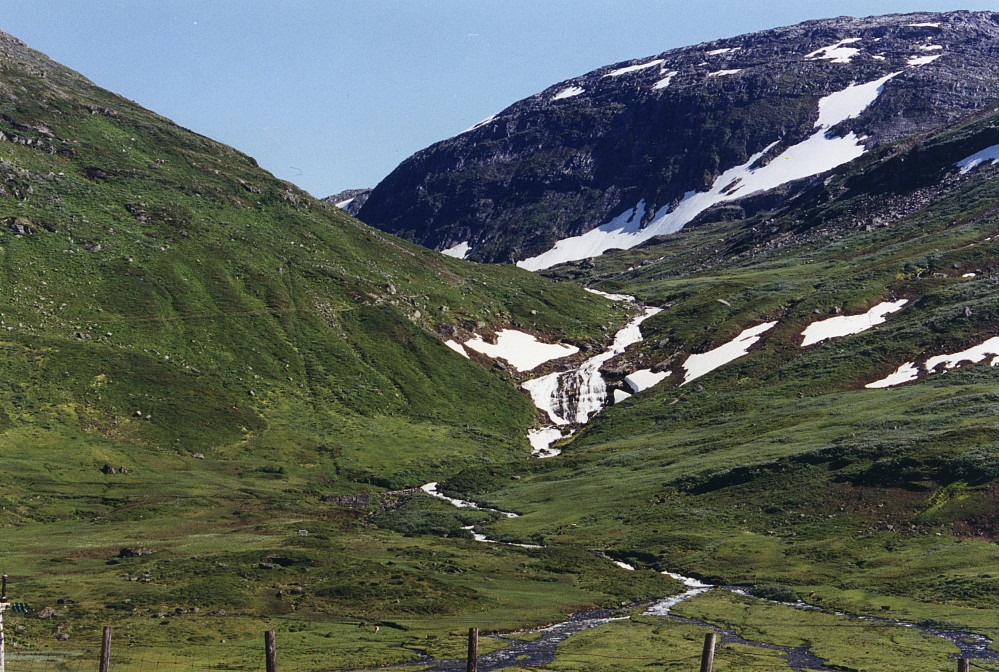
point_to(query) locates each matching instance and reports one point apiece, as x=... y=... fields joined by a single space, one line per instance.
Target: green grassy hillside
x=193 y=354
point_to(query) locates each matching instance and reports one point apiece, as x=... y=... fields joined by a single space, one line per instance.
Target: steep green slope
x=193 y=354
x=164 y=292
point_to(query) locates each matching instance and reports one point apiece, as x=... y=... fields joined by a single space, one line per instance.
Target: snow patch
x=844 y=325
x=923 y=25
x=816 y=154
x=987 y=154
x=971 y=355
x=459 y=251
x=725 y=50
x=568 y=92
x=903 y=374
x=541 y=441
x=344 y=204
x=612 y=297
x=482 y=123
x=922 y=60
x=722 y=73
x=635 y=68
x=457 y=347
x=836 y=53
x=573 y=396
x=643 y=379
x=698 y=365
x=620 y=395
x=968 y=275
x=623 y=565
x=931 y=47
x=665 y=81
x=523 y=351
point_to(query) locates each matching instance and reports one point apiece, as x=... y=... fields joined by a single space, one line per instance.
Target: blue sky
x=333 y=94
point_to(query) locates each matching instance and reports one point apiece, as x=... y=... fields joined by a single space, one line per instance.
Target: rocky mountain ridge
x=349 y=200
x=633 y=140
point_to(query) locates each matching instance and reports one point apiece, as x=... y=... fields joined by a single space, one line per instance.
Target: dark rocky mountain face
x=631 y=140
x=349 y=200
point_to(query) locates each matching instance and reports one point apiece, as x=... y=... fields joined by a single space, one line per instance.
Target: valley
x=764 y=405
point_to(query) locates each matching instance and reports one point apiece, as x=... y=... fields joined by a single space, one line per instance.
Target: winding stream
x=572 y=398
x=541 y=651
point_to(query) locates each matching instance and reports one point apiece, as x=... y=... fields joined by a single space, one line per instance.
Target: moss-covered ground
x=193 y=354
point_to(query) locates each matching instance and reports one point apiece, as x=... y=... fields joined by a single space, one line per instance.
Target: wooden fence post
x=473 y=650
x=708 y=657
x=106 y=649
x=963 y=664
x=271 y=648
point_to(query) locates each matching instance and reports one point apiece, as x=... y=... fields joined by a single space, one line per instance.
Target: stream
x=542 y=650
x=572 y=398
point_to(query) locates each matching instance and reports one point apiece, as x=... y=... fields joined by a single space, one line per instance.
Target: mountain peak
x=626 y=145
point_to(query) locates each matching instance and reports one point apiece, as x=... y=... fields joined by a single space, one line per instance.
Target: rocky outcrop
x=349 y=200
x=635 y=137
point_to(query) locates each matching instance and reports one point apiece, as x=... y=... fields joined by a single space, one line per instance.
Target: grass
x=845 y=643
x=236 y=350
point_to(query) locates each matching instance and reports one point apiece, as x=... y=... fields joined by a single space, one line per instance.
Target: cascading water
x=573 y=397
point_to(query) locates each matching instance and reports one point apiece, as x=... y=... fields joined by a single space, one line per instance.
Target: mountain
x=825 y=415
x=192 y=285
x=229 y=407
x=208 y=373
x=350 y=200
x=636 y=149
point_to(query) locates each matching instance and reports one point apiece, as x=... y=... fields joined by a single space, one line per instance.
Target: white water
x=613 y=297
x=431 y=489
x=694 y=588
x=541 y=441
x=572 y=397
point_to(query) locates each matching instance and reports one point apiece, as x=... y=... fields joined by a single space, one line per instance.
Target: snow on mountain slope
x=523 y=351
x=700 y=364
x=661 y=132
x=818 y=153
x=845 y=325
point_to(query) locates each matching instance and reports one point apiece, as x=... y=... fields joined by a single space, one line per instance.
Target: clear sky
x=333 y=94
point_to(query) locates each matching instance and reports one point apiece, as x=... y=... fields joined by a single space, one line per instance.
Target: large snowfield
x=816 y=154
